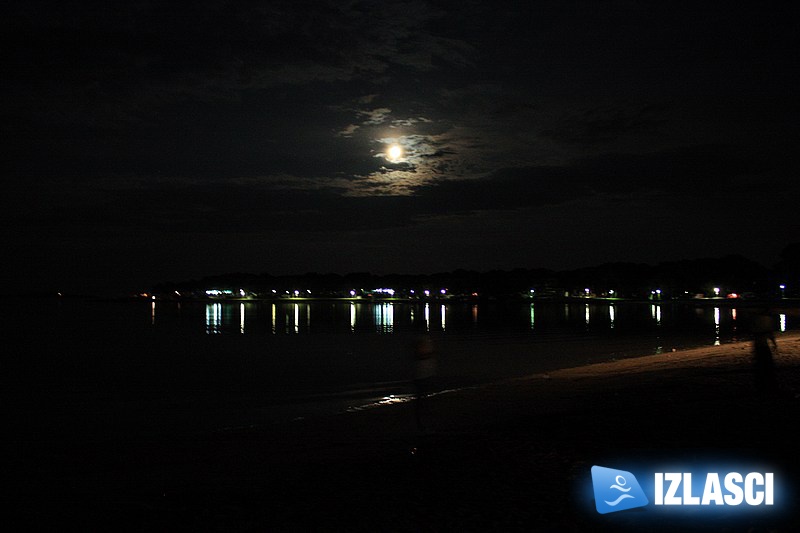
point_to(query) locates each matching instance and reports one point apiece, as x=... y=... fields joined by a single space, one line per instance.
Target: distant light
x=586 y=290
x=296 y=293
x=308 y=291
x=274 y=291
x=658 y=291
x=733 y=295
x=611 y=291
x=241 y=292
x=532 y=290
x=412 y=291
x=390 y=292
x=177 y=293
x=153 y=297
x=352 y=293
x=782 y=286
x=427 y=292
x=716 y=291
x=443 y=291
x=476 y=294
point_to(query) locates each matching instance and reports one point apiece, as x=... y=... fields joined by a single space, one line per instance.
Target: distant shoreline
x=714 y=302
x=791 y=303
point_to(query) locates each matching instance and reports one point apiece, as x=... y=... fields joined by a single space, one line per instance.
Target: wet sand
x=513 y=455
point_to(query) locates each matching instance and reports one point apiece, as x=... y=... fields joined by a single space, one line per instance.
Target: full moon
x=395 y=152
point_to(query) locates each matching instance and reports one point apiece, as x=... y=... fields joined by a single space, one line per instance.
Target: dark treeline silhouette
x=723 y=276
x=788 y=268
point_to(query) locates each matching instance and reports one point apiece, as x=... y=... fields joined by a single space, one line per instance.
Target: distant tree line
x=731 y=273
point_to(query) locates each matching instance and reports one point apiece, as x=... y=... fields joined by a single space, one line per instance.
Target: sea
x=82 y=367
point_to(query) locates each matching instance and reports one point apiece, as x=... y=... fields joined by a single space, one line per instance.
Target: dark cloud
x=600 y=126
x=717 y=173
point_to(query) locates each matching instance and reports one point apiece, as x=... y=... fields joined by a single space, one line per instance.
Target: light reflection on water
x=300 y=347
x=715 y=324
x=655 y=313
x=214 y=318
x=384 y=317
x=533 y=316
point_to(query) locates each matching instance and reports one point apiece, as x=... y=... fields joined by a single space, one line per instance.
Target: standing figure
x=763 y=363
x=424 y=373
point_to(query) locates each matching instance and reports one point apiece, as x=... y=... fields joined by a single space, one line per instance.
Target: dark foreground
x=511 y=456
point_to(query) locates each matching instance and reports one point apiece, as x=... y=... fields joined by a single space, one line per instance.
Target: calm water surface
x=219 y=365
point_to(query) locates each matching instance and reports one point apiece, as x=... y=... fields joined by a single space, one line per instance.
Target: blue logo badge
x=616 y=490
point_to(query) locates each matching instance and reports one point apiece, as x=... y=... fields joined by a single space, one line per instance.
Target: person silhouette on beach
x=424 y=374
x=763 y=363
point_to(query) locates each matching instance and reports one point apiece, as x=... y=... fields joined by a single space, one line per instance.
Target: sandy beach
x=512 y=455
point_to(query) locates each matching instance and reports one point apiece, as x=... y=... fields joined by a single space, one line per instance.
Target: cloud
x=719 y=174
x=348 y=130
x=603 y=125
x=375 y=116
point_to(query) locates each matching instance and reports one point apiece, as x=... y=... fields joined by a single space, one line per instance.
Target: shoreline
x=728 y=354
x=705 y=360
x=478 y=464
x=773 y=303
x=788 y=303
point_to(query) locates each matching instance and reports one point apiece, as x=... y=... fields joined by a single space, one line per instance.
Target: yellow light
x=395 y=152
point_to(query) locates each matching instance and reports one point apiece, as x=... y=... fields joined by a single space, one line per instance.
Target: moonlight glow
x=395 y=152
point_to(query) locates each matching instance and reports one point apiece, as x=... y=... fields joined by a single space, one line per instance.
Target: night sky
x=144 y=143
